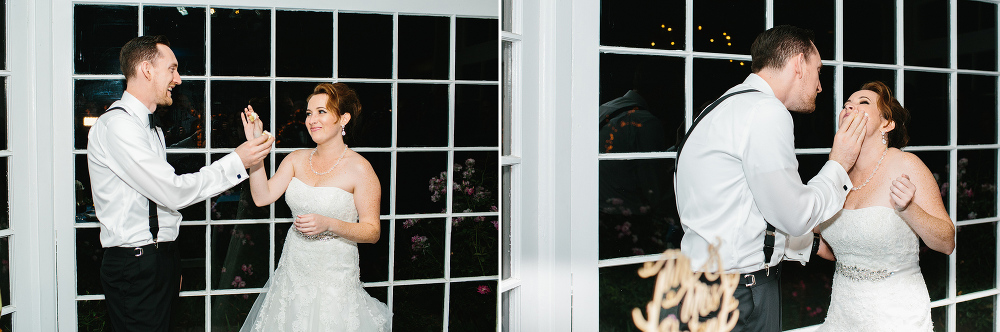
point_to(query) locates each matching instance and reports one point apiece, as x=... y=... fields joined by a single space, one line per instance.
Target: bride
x=334 y=195
x=877 y=285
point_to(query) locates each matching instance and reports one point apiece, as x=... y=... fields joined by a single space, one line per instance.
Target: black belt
x=760 y=277
x=139 y=251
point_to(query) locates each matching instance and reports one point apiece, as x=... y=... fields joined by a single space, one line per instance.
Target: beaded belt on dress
x=859 y=273
x=321 y=236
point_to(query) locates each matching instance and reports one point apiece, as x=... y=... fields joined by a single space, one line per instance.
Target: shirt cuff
x=799 y=248
x=232 y=165
x=835 y=172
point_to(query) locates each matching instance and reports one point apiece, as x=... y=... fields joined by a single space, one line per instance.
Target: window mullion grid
x=688 y=63
x=336 y=42
x=953 y=156
x=208 y=159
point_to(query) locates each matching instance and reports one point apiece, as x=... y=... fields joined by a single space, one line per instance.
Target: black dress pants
x=140 y=288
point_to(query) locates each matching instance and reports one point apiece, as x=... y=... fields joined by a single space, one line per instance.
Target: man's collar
x=759 y=83
x=136 y=108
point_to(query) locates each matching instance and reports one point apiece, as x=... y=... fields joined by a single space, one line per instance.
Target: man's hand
x=847 y=141
x=254 y=151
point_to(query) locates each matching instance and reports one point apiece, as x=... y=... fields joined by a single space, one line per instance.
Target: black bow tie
x=154 y=121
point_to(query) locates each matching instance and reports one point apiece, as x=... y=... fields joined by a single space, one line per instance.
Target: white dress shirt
x=738 y=169
x=127 y=163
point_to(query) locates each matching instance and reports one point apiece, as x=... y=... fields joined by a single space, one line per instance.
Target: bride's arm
x=367 y=199
x=266 y=191
x=825 y=251
x=916 y=196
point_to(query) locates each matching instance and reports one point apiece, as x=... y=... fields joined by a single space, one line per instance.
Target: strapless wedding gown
x=877 y=285
x=317 y=285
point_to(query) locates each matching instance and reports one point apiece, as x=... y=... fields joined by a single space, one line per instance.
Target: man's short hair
x=140 y=49
x=773 y=47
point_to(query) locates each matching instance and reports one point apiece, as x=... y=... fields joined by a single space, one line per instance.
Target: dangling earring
x=883 y=138
x=343 y=132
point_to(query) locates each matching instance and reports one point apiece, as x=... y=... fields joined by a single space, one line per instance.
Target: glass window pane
x=424 y=110
x=506 y=225
x=239 y=256
x=879 y=17
x=977 y=257
x=3 y=113
x=5 y=192
x=5 y=270
x=188 y=314
x=84 y=197
x=713 y=77
x=476 y=49
x=241 y=42
x=92 y=98
x=805 y=292
x=304 y=44
x=414 y=171
x=237 y=202
x=977 y=35
x=476 y=115
x=621 y=289
x=281 y=209
x=184 y=121
x=474 y=182
x=977 y=109
x=642 y=103
x=375 y=256
x=816 y=129
x=474 y=246
x=191 y=245
x=229 y=98
x=185 y=28
x=507 y=107
x=89 y=255
x=373 y=126
x=854 y=78
x=290 y=114
x=727 y=26
x=229 y=312
x=184 y=164
x=418 y=307
x=100 y=31
x=473 y=306
x=419 y=252
x=816 y=15
x=939 y=318
x=424 y=49
x=92 y=316
x=976 y=189
x=3 y=49
x=379 y=293
x=927 y=99
x=976 y=315
x=643 y=24
x=810 y=164
x=637 y=214
x=926 y=39
x=364 y=47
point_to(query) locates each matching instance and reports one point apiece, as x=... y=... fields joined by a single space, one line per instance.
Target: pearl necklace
x=873 y=172
x=331 y=168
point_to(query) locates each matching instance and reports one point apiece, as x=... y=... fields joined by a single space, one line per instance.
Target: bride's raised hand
x=253 y=127
x=901 y=192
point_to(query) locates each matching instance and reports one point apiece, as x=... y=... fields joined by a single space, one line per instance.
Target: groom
x=137 y=194
x=737 y=180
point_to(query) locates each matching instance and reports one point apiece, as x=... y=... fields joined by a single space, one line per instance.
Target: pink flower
x=469 y=191
x=493 y=208
x=409 y=223
x=480 y=219
x=483 y=289
x=496 y=224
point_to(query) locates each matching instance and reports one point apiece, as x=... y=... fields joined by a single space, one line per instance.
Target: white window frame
x=65 y=151
x=511 y=286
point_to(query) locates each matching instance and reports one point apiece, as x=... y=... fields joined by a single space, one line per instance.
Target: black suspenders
x=154 y=220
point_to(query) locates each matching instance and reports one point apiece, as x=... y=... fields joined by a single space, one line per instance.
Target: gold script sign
x=677 y=284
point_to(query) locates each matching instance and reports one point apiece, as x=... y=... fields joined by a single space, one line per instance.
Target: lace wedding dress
x=317 y=286
x=877 y=285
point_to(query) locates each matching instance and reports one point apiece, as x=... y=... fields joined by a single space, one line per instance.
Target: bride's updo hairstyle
x=342 y=99
x=892 y=110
